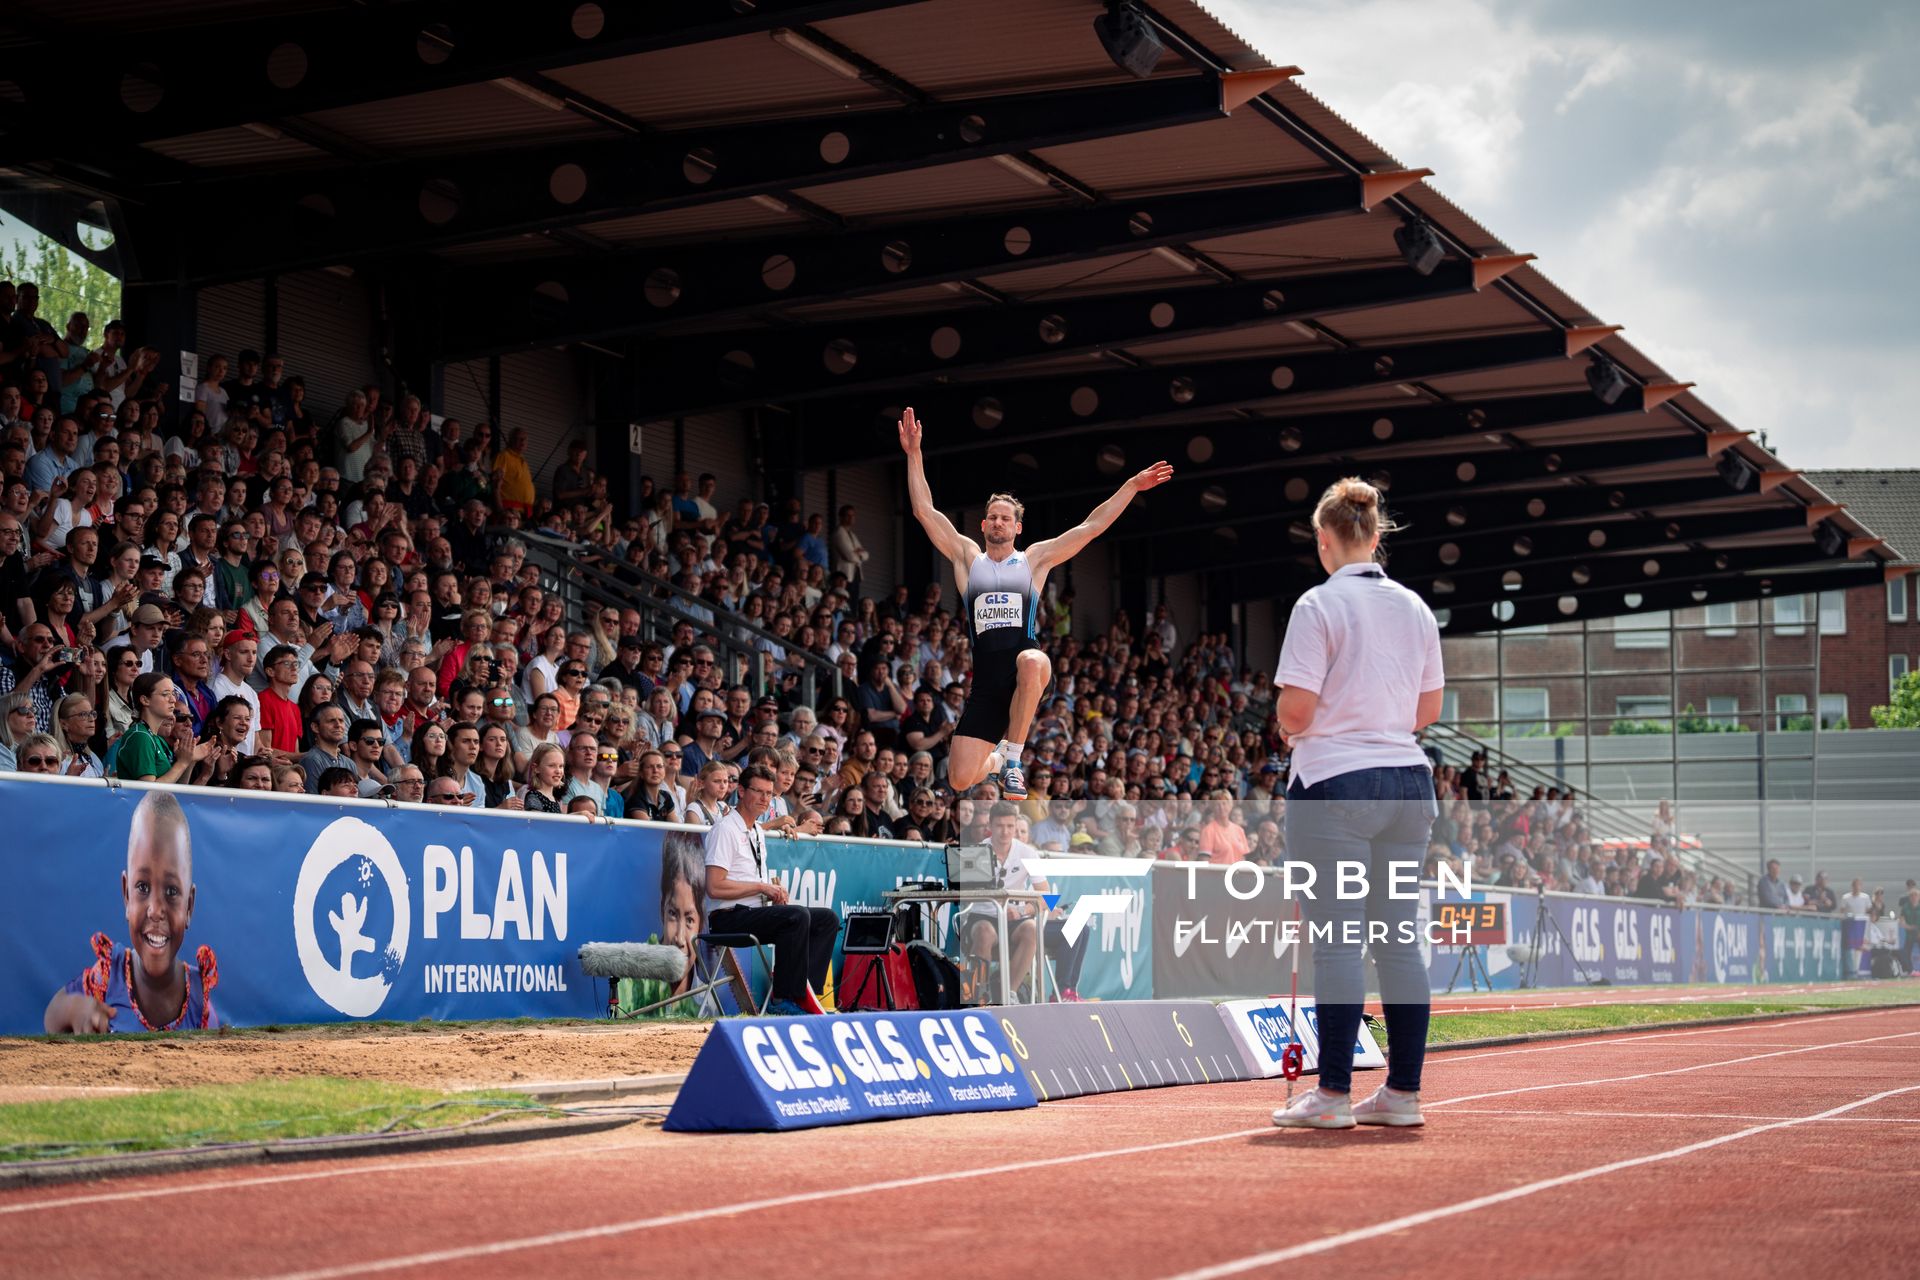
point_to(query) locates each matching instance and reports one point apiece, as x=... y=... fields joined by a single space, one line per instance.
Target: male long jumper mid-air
x=999 y=594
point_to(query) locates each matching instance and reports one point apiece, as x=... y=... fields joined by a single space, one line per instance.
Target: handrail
x=1604 y=818
x=575 y=580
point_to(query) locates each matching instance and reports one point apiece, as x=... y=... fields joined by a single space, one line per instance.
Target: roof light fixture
x=1420 y=245
x=1608 y=380
x=1129 y=39
x=802 y=44
x=1831 y=539
x=1738 y=473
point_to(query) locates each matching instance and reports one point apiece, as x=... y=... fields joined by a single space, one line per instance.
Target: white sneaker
x=1389 y=1107
x=1316 y=1109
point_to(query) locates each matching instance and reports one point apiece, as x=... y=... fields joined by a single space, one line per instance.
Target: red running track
x=1769 y=1149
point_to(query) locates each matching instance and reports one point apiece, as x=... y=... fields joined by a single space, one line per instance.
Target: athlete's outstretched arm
x=1054 y=551
x=946 y=539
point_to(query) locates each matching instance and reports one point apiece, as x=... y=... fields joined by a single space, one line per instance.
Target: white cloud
x=1739 y=218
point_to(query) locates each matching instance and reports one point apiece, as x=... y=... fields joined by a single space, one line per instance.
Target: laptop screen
x=972 y=867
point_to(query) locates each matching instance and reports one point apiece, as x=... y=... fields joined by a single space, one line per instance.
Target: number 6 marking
x=1184 y=1033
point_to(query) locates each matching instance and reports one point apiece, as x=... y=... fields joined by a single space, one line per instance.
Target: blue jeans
x=1374 y=818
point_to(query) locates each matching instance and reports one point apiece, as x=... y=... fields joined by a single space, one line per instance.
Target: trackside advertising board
x=757 y=1074
x=326 y=911
x=1262 y=1029
x=1066 y=1050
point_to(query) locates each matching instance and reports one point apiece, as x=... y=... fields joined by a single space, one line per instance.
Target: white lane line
x=1276 y=1256
x=1670 y=1071
x=495 y=1247
x=274 y=1179
x=1673 y=1115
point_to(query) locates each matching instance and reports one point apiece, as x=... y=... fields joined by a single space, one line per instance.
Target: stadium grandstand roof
x=1888 y=501
x=820 y=212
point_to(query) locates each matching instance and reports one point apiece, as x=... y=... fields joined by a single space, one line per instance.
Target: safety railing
x=1605 y=820
x=749 y=654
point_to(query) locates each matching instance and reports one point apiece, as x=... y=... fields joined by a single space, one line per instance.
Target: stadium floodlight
x=1738 y=473
x=1420 y=245
x=800 y=43
x=1129 y=39
x=1608 y=380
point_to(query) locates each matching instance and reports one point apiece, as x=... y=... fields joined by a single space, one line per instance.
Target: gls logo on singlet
x=995 y=609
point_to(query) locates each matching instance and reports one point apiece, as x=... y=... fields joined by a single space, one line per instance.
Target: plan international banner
x=340 y=910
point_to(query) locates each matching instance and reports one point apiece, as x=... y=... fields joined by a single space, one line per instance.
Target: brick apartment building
x=1715 y=667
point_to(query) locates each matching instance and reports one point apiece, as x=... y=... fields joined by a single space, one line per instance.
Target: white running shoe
x=1389 y=1107
x=1315 y=1109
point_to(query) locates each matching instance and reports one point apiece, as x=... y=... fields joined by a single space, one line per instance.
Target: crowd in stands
x=244 y=590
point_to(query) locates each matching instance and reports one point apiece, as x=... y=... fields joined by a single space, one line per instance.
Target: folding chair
x=715 y=965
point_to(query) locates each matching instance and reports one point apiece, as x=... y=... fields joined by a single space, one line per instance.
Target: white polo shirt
x=742 y=853
x=1369 y=648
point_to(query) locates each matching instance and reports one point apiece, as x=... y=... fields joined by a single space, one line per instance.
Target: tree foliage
x=68 y=283
x=1904 y=711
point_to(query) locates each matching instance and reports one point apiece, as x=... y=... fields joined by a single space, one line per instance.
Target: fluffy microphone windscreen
x=633 y=960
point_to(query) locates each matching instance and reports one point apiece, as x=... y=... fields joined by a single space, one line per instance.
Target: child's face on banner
x=158 y=891
x=679 y=916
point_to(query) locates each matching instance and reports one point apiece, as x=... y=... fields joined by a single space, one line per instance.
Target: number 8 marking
x=1013 y=1038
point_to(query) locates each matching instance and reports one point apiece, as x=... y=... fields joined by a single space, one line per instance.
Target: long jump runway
x=1764 y=1149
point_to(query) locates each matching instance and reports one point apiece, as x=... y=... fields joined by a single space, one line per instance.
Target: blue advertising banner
x=757 y=1074
x=320 y=911
x=1621 y=940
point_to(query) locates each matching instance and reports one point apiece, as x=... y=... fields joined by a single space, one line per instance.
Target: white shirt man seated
x=742 y=898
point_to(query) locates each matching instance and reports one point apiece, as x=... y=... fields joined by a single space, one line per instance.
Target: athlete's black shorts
x=990 y=700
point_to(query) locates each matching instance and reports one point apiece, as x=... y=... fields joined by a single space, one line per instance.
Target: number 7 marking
x=1103 y=1031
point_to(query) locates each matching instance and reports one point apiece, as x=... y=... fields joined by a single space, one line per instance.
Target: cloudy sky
x=1739 y=185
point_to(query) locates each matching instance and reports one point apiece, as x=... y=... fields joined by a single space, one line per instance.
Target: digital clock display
x=1478 y=924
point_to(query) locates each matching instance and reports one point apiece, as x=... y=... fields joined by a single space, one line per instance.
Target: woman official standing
x=1359 y=675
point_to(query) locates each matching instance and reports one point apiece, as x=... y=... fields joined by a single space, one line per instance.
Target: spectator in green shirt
x=148 y=750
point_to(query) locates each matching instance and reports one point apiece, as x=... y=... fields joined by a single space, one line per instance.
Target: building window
x=1833 y=711
x=1833 y=613
x=1896 y=668
x=1523 y=712
x=1897 y=600
x=1648 y=706
x=1643 y=630
x=1790 y=711
x=1789 y=615
x=1720 y=619
x=1723 y=709
x=1450 y=706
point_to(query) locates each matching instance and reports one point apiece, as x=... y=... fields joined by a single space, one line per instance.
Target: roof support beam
x=1560 y=543
x=835 y=357
x=1066 y=463
x=502 y=307
x=338 y=215
x=1501 y=615
x=864 y=423
x=157 y=84
x=1426 y=496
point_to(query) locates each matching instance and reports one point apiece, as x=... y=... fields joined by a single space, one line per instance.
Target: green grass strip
x=1449 y=1028
x=258 y=1111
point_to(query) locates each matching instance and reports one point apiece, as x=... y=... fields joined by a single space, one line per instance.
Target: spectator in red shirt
x=279 y=711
